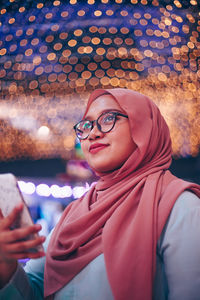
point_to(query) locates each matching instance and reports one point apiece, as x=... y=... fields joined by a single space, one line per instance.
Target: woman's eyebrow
x=88 y=117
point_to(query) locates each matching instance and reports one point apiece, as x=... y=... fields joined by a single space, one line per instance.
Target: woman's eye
x=86 y=125
x=108 y=119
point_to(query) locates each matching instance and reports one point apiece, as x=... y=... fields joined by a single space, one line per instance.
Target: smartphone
x=10 y=196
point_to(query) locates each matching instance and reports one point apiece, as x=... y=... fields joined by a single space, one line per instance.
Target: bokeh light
x=54 y=53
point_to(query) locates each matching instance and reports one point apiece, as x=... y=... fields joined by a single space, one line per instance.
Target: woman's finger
x=23 y=246
x=11 y=236
x=24 y=255
x=7 y=222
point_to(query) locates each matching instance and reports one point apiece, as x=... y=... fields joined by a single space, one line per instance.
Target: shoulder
x=178 y=248
x=185 y=203
x=184 y=219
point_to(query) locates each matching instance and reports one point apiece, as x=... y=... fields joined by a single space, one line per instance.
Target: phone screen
x=11 y=196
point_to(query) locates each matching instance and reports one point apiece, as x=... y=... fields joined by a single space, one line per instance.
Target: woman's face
x=107 y=152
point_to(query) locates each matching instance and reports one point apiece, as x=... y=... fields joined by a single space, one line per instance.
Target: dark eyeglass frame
x=115 y=114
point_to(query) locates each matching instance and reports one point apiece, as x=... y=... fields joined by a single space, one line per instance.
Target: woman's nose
x=95 y=132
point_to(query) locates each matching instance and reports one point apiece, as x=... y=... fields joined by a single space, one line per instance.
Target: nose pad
x=95 y=132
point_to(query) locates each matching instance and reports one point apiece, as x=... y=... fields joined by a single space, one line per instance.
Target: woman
x=134 y=235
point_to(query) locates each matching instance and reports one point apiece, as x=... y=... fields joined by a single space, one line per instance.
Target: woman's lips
x=94 y=148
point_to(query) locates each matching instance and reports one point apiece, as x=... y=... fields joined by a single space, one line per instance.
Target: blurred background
x=54 y=53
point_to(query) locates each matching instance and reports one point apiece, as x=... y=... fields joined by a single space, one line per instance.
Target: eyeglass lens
x=105 y=122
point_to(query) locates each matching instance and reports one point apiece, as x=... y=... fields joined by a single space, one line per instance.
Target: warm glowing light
x=40 y=5
x=51 y=56
x=78 y=32
x=98 y=13
x=3 y=51
x=72 y=43
x=64 y=14
x=11 y=21
x=3 y=11
x=56 y=3
x=29 y=52
x=43 y=132
x=81 y=13
x=109 y=12
x=37 y=60
x=54 y=55
x=31 y=19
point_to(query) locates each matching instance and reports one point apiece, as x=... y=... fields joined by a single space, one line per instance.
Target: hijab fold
x=124 y=213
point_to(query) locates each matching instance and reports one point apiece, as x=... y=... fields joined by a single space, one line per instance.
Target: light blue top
x=177 y=270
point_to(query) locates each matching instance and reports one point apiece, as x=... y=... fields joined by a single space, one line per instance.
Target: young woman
x=133 y=235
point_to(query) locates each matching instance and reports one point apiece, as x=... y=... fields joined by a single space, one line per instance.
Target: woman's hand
x=13 y=245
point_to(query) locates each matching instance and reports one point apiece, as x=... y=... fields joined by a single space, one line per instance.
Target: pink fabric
x=124 y=213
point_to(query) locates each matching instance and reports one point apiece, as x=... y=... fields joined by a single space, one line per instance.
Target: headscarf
x=123 y=215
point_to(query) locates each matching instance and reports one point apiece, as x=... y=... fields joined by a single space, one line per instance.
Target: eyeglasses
x=105 y=123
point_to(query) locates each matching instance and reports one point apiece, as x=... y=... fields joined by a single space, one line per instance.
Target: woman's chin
x=104 y=169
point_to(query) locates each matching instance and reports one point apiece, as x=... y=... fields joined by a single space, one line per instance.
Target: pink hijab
x=123 y=215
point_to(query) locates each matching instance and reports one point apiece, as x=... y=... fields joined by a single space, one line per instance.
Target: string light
x=55 y=191
x=50 y=64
